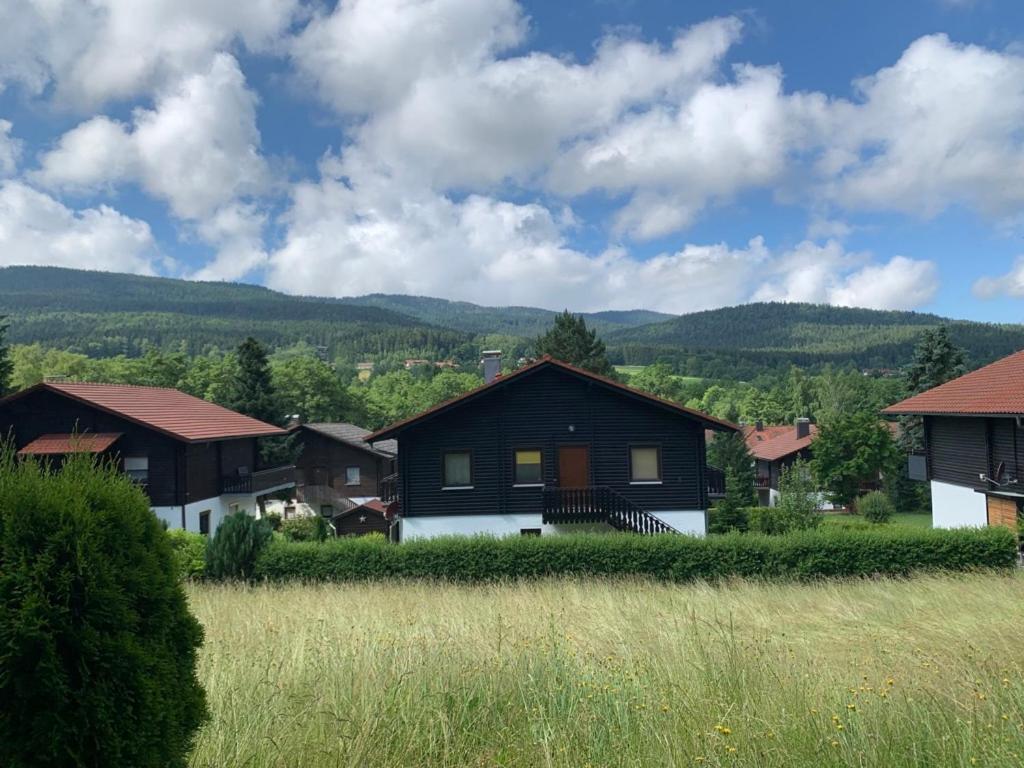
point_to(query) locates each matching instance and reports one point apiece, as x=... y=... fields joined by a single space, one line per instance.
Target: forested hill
x=103 y=314
x=751 y=337
x=513 y=321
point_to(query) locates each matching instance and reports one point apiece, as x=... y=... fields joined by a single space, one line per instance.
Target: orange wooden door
x=573 y=466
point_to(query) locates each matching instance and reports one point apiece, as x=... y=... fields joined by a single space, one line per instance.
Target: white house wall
x=955 y=506
x=219 y=507
x=429 y=527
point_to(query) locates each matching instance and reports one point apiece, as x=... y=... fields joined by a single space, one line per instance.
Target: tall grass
x=920 y=672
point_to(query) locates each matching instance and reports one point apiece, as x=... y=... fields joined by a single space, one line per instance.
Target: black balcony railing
x=762 y=481
x=715 y=481
x=389 y=488
x=260 y=481
x=599 y=504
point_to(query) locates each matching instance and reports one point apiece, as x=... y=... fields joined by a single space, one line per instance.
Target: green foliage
x=97 y=645
x=231 y=553
x=797 y=507
x=254 y=393
x=570 y=341
x=274 y=521
x=730 y=513
x=310 y=388
x=189 y=553
x=313 y=528
x=728 y=451
x=875 y=507
x=826 y=552
x=850 y=452
x=936 y=361
x=400 y=394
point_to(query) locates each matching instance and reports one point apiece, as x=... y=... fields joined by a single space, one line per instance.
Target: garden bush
x=231 y=553
x=312 y=528
x=97 y=645
x=875 y=507
x=824 y=552
x=189 y=553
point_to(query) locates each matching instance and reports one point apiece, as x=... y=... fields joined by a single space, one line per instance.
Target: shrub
x=97 y=645
x=876 y=507
x=189 y=553
x=231 y=553
x=797 y=508
x=274 y=521
x=306 y=529
x=803 y=554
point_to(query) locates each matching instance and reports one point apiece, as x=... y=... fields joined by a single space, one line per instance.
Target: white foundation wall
x=685 y=521
x=954 y=506
x=691 y=521
x=218 y=506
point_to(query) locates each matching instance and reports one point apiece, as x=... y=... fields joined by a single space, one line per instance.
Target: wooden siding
x=537 y=412
x=350 y=524
x=323 y=462
x=958 y=450
x=1002 y=511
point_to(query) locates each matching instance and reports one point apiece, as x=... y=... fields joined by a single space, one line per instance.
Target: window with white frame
x=351 y=475
x=458 y=469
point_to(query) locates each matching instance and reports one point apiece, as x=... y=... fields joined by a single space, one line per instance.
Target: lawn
x=856 y=521
x=920 y=672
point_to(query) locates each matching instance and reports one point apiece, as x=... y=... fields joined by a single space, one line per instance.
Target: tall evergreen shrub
x=97 y=645
x=231 y=553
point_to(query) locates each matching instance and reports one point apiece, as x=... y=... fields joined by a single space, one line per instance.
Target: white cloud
x=100 y=50
x=37 y=229
x=829 y=274
x=940 y=127
x=236 y=231
x=10 y=149
x=96 y=153
x=1010 y=284
x=348 y=237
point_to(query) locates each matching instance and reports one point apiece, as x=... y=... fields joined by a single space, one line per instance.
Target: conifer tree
x=254 y=393
x=570 y=341
x=936 y=360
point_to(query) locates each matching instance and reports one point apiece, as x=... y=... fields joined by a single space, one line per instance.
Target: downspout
x=178 y=471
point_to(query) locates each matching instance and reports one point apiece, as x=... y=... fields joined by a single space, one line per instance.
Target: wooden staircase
x=600 y=504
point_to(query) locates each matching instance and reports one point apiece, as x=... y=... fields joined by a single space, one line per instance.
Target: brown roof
x=87 y=442
x=547 y=361
x=995 y=390
x=169 y=411
x=776 y=442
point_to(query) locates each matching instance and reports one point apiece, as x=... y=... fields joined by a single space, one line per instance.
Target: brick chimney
x=759 y=426
x=492 y=364
x=803 y=427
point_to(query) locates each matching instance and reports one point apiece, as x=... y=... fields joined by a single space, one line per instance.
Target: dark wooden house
x=974 y=445
x=551 y=448
x=337 y=469
x=774 y=449
x=196 y=460
x=368 y=517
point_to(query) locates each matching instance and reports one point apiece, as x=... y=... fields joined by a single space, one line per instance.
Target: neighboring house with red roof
x=974 y=445
x=775 y=448
x=196 y=460
x=550 y=448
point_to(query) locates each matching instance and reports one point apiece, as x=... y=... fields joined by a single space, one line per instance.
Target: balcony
x=715 y=481
x=762 y=482
x=259 y=482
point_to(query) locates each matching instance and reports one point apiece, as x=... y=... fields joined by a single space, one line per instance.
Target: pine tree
x=729 y=452
x=254 y=393
x=6 y=365
x=570 y=341
x=936 y=361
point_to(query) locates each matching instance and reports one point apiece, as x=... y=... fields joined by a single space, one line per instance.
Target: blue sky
x=606 y=154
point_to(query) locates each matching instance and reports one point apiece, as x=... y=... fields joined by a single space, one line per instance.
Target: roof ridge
x=119 y=384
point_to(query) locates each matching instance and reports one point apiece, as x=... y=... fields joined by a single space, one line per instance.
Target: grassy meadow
x=920 y=672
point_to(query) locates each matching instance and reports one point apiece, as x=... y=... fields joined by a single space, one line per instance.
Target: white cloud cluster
x=445 y=117
x=1011 y=284
x=197 y=150
x=37 y=229
x=10 y=149
x=93 y=51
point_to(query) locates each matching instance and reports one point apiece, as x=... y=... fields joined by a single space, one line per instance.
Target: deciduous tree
x=851 y=451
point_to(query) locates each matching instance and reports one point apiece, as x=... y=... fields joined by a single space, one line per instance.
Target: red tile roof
x=548 y=361
x=776 y=442
x=87 y=442
x=169 y=411
x=995 y=390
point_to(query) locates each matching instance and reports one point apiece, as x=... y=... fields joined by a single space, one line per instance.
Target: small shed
x=368 y=517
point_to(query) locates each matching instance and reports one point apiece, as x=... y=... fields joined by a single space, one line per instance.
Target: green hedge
x=189 y=553
x=804 y=554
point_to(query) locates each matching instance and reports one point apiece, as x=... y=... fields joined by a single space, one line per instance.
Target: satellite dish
x=1000 y=471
